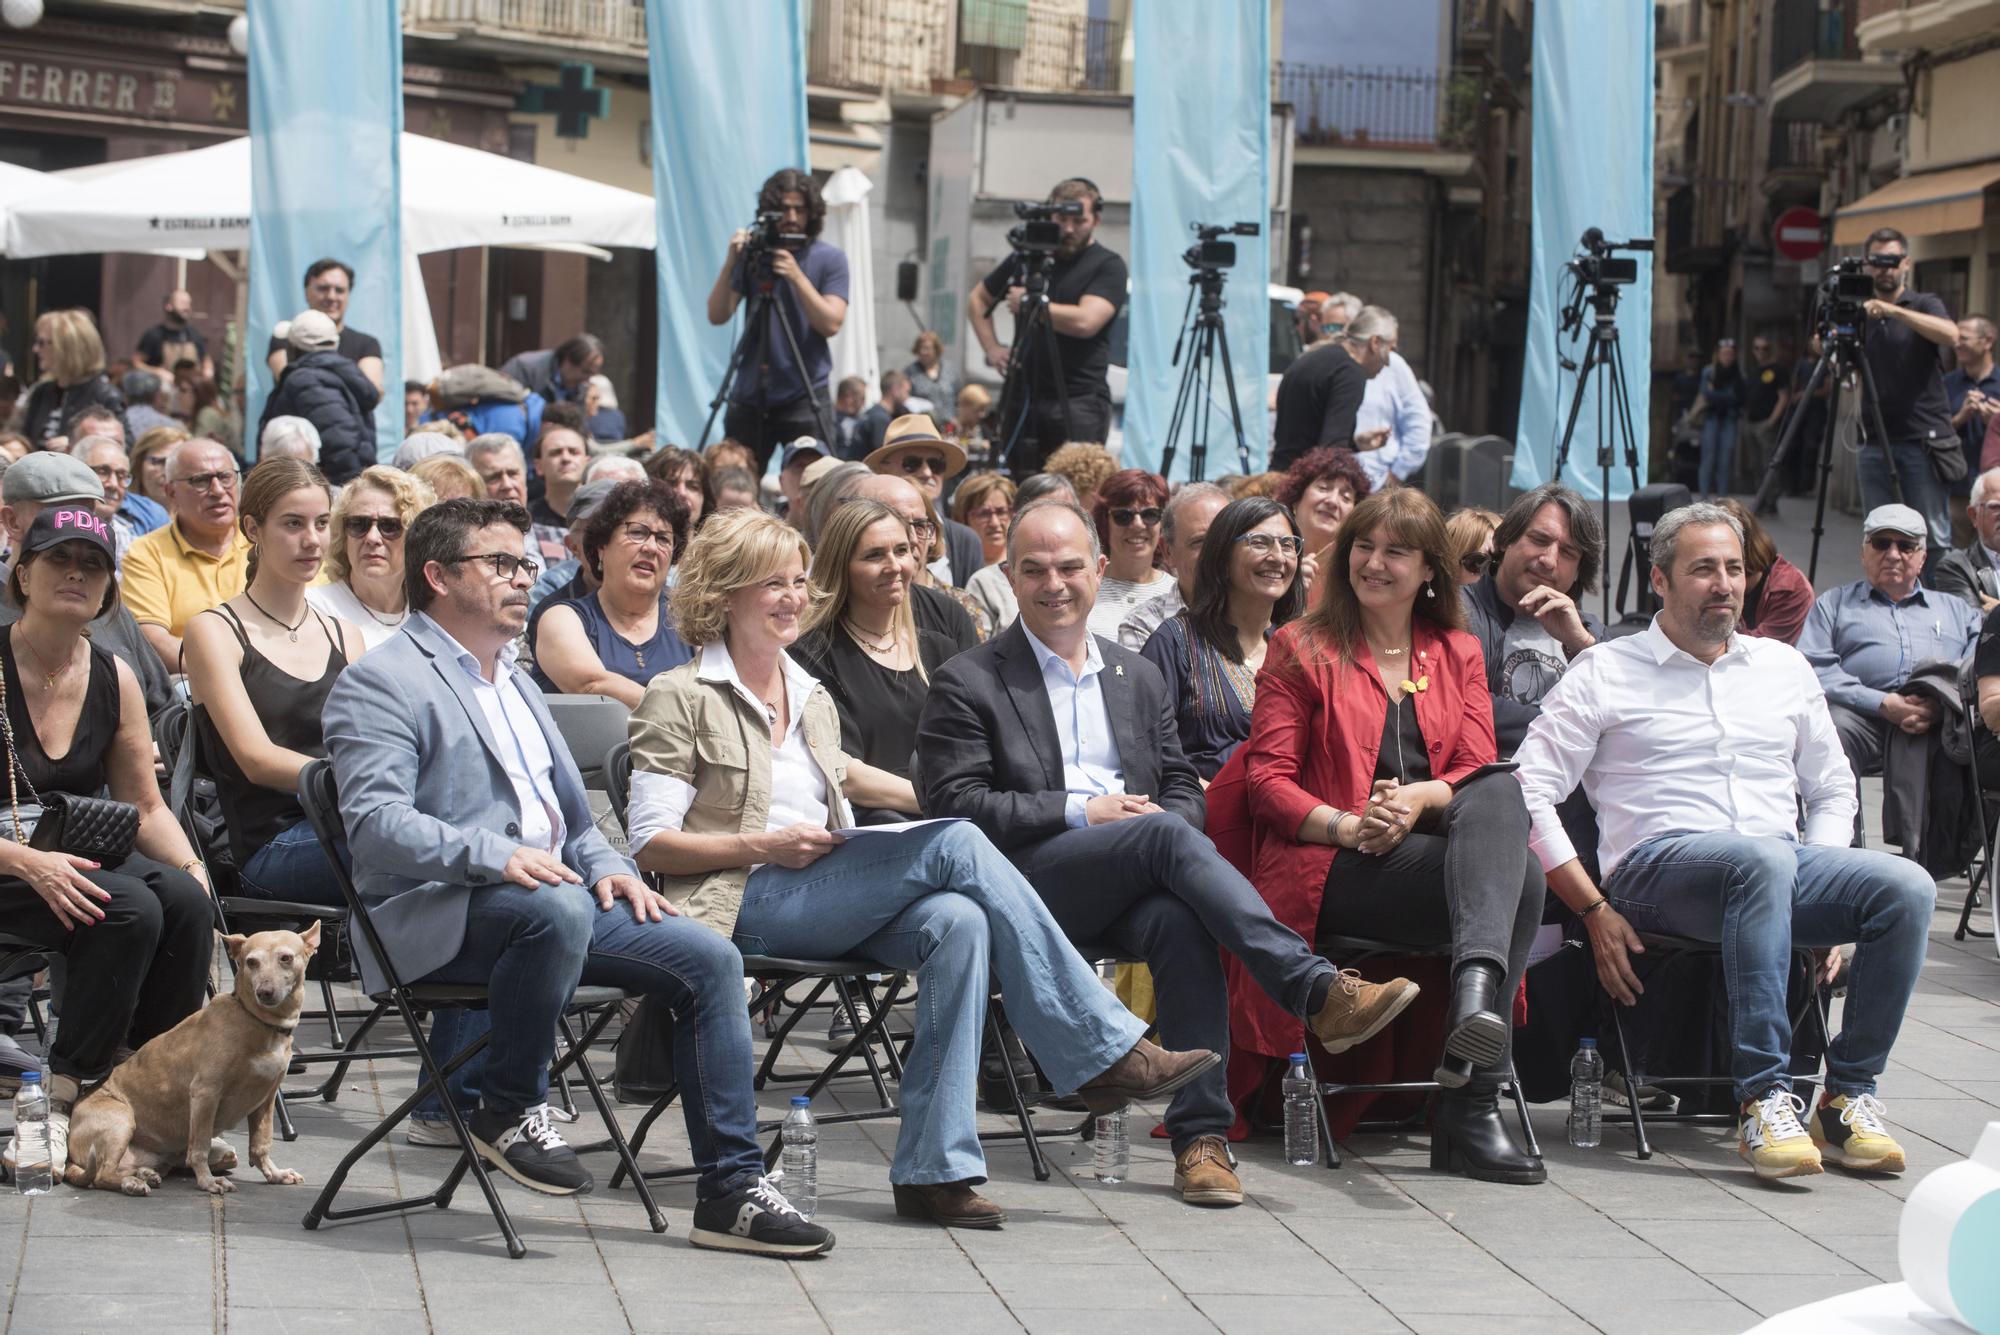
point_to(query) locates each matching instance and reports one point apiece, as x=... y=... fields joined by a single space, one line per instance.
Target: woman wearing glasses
x=619 y=636
x=1246 y=585
x=259 y=669
x=1130 y=507
x=1468 y=538
x=913 y=450
x=364 y=559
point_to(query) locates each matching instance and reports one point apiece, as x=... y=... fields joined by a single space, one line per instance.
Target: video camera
x=1039 y=233
x=1210 y=253
x=1844 y=292
x=766 y=234
x=1596 y=264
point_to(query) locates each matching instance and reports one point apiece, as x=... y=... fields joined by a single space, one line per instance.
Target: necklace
x=291 y=630
x=48 y=675
x=394 y=619
x=885 y=646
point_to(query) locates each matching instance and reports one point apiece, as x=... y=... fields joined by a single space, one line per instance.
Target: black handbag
x=101 y=829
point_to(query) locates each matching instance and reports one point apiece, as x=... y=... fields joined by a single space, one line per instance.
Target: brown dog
x=165 y=1105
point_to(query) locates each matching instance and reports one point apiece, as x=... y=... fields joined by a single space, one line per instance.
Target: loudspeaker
x=906 y=281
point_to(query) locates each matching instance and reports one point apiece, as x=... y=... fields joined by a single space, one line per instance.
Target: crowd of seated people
x=1060 y=665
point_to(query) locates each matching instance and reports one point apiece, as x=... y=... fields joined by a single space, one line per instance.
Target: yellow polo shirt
x=165 y=581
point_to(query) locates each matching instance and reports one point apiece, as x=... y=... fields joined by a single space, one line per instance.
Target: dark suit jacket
x=988 y=751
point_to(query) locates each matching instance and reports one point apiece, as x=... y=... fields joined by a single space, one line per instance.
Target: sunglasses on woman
x=1475 y=563
x=389 y=526
x=1125 y=518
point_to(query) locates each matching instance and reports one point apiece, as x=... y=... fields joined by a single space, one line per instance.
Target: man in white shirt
x=1696 y=744
x=1394 y=402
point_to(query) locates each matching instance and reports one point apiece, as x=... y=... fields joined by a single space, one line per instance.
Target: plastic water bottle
x=1301 y=1129
x=33 y=1174
x=1586 y=1096
x=801 y=1135
x=1111 y=1153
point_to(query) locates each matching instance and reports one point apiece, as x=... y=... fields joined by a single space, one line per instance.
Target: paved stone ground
x=1687 y=1241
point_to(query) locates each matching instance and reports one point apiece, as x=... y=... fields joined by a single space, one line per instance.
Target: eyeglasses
x=639 y=535
x=1475 y=563
x=988 y=512
x=922 y=528
x=111 y=473
x=390 y=527
x=1125 y=518
x=1263 y=544
x=203 y=481
x=919 y=463
x=1885 y=260
x=505 y=565
x=1883 y=543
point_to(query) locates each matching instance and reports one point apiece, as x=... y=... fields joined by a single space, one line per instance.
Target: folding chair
x=591 y=725
x=190 y=789
x=593 y=1006
x=1351 y=950
x=1979 y=877
x=19 y=958
x=1661 y=951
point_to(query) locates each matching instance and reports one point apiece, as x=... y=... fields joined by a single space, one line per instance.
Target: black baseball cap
x=68 y=523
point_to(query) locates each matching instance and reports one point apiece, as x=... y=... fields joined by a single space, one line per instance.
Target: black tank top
x=290 y=710
x=80 y=771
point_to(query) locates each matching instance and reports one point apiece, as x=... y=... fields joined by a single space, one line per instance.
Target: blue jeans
x=943 y=901
x=532 y=948
x=452 y=1031
x=1762 y=896
x=1922 y=491
x=1718 y=454
x=292 y=867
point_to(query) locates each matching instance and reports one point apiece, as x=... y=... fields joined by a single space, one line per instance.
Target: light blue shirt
x=1862 y=646
x=1091 y=766
x=1395 y=400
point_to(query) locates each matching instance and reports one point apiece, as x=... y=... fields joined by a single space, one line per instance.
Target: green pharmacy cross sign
x=574 y=100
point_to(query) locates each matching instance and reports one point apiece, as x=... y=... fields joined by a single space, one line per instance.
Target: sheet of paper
x=857 y=831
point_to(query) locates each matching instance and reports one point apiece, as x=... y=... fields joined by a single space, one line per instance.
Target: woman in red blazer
x=1372 y=714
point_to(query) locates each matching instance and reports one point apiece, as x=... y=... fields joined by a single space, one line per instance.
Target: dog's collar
x=279 y=1028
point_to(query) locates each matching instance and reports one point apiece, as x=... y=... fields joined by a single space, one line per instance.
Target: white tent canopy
x=853 y=348
x=453 y=196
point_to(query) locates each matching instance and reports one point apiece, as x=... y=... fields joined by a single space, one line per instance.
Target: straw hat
x=911 y=431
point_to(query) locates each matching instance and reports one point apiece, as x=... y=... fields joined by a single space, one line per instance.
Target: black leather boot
x=1469 y=1136
x=1475 y=1029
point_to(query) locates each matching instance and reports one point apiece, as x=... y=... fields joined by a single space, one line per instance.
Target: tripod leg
x=1183 y=397
x=1575 y=409
x=1828 y=435
x=1871 y=403
x=799 y=363
x=1769 y=488
x=753 y=328
x=1235 y=409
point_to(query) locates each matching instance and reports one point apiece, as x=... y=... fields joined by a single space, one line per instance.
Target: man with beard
x=174 y=339
x=1698 y=745
x=1905 y=341
x=1086 y=288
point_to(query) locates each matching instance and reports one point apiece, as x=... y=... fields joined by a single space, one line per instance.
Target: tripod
x=1198 y=378
x=756 y=324
x=1613 y=409
x=1034 y=349
x=1840 y=354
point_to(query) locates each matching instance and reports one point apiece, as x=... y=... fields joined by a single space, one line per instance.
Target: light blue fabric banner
x=1593 y=151
x=729 y=108
x=1201 y=150
x=326 y=120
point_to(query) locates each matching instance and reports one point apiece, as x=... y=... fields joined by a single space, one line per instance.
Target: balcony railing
x=1804 y=30
x=620 y=23
x=1352 y=106
x=1794 y=145
x=876 y=44
x=1058 y=53
x=1677 y=23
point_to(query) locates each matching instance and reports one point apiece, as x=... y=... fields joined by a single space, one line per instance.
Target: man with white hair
x=613 y=468
x=289 y=437
x=1394 y=407
x=196 y=562
x=132 y=515
x=1320 y=396
x=1972 y=572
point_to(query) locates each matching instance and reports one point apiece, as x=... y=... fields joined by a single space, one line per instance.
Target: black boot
x=1475 y=1030
x=1469 y=1136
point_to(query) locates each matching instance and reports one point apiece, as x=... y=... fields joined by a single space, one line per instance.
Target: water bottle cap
x=31 y=1077
x=801 y=1101
x=1587 y=1043
x=1298 y=1056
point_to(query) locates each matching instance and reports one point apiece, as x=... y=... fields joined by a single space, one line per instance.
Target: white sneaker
x=10 y=1157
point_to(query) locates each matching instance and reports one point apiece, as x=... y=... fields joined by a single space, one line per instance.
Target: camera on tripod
x=1039 y=234
x=1210 y=253
x=1844 y=293
x=1597 y=264
x=767 y=233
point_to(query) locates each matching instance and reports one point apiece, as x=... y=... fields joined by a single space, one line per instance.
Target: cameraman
x=1086 y=287
x=770 y=402
x=1907 y=334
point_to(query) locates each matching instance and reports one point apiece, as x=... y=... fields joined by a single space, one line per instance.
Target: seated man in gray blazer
x=1063 y=749
x=473 y=844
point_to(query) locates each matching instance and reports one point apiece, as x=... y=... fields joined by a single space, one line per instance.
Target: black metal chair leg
x=334 y=1037
x=1036 y=1159
x=1533 y=1146
x=627 y=1164
x=1632 y=1081
x=286 y=1131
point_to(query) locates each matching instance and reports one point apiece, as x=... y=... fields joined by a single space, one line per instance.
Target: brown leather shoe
x=1203 y=1176
x=1355 y=1010
x=952 y=1204
x=1145 y=1073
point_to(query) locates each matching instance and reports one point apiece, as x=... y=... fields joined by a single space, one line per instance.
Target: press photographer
x=781 y=254
x=1085 y=286
x=1906 y=336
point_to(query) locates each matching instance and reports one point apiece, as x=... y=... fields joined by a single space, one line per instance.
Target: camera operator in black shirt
x=1904 y=343
x=1086 y=287
x=771 y=402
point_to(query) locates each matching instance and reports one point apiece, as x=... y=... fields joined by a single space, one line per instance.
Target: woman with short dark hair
x=1129 y=512
x=619 y=636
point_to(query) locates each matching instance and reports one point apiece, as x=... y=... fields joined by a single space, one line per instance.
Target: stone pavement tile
x=515 y=1298
x=301 y=1320
x=893 y=1313
x=163 y=1265
x=1954 y=1124
x=1241 y=1314
x=889 y=1271
x=1453 y=1324
x=1604 y=1240
x=1986 y=1091
x=669 y=1313
x=1587 y=1285
x=1397 y=1244
x=1032 y=1284
x=87 y=1312
x=1085 y=1240
x=1645 y=1316
x=1773 y=1293
x=1712 y=1249
x=1473 y=1290
x=1099 y=1321
x=1293 y=1269
x=1875 y=1253
x=275 y=1272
